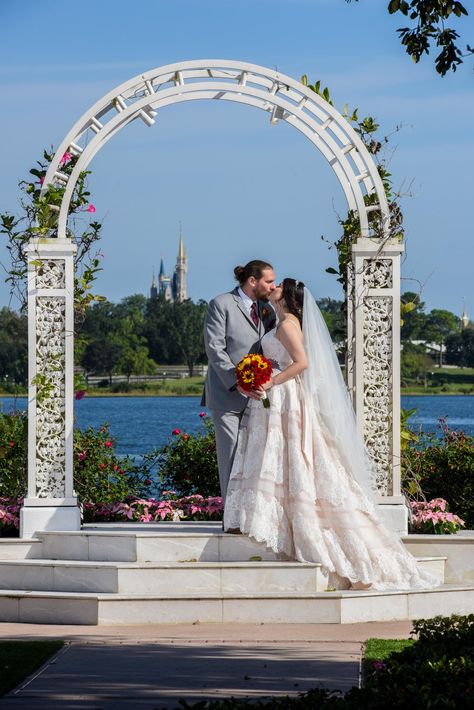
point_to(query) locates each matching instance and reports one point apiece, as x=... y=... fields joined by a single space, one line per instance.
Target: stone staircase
x=188 y=572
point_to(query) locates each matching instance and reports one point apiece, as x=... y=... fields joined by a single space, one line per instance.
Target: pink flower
x=175 y=432
x=91 y=208
x=378 y=665
x=147 y=482
x=82 y=455
x=185 y=437
x=11 y=444
x=41 y=180
x=108 y=444
x=80 y=394
x=66 y=158
x=202 y=414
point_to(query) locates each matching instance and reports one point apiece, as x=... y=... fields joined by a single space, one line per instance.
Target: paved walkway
x=151 y=667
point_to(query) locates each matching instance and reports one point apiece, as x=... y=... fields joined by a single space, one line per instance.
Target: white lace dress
x=309 y=510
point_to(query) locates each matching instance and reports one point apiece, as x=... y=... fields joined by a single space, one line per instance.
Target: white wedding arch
x=374 y=294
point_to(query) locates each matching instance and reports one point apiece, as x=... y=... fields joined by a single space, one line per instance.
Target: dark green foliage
x=460 y=348
x=19 y=659
x=13 y=454
x=188 y=464
x=443 y=468
x=429 y=29
x=100 y=476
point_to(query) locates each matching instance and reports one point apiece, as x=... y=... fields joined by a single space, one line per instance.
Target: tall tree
x=13 y=347
x=439 y=325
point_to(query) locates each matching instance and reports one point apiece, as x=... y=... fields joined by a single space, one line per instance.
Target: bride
x=302 y=481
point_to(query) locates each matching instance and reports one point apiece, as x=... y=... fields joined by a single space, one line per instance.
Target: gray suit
x=229 y=334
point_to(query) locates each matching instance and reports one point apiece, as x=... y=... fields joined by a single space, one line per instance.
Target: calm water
x=141 y=423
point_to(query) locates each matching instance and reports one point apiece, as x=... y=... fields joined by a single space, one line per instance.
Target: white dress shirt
x=247 y=300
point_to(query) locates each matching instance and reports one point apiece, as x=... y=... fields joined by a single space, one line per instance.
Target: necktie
x=254 y=313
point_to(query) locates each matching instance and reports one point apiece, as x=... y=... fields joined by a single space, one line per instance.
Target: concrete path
x=151 y=667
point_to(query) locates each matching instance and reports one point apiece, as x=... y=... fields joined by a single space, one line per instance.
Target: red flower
x=102 y=465
x=11 y=444
x=66 y=158
x=91 y=208
x=202 y=414
x=108 y=444
x=82 y=455
x=175 y=432
x=80 y=394
x=147 y=481
x=185 y=437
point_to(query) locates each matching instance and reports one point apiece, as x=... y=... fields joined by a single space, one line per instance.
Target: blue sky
x=242 y=188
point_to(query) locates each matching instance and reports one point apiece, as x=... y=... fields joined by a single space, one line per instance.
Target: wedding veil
x=328 y=398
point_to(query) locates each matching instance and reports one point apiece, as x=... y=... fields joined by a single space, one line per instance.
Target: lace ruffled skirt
x=307 y=508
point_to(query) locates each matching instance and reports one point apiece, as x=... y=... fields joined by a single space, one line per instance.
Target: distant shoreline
x=138 y=393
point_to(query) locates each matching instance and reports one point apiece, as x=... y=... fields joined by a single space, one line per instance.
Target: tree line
x=137 y=334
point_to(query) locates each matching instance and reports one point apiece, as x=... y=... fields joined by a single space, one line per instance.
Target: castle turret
x=153 y=289
x=180 y=292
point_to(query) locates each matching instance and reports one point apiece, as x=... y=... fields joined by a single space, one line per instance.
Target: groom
x=234 y=326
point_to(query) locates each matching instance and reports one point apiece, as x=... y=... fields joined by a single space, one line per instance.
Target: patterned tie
x=254 y=313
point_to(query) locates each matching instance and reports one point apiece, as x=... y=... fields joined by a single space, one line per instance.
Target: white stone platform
x=188 y=572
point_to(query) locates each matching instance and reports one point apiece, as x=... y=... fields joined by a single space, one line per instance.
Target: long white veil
x=327 y=397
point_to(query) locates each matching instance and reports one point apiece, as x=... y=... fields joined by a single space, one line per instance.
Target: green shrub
x=188 y=463
x=100 y=476
x=443 y=468
x=13 y=454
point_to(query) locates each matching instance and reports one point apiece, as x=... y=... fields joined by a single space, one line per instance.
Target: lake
x=141 y=423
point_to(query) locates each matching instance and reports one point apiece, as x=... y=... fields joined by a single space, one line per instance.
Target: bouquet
x=252 y=372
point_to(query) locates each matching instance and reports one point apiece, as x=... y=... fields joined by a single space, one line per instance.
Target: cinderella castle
x=172 y=288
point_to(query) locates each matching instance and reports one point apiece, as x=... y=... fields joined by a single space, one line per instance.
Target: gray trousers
x=226 y=425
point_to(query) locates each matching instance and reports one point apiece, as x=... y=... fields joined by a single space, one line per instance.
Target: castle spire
x=464 y=317
x=180 y=290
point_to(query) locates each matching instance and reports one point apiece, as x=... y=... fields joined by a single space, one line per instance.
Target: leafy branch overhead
x=367 y=128
x=429 y=29
x=38 y=219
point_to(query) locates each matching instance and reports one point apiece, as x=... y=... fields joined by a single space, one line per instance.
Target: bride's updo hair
x=253 y=268
x=293 y=295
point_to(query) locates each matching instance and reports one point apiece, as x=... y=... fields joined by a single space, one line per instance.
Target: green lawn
x=19 y=659
x=380 y=649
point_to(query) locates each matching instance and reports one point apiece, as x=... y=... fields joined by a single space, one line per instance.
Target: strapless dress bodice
x=275 y=351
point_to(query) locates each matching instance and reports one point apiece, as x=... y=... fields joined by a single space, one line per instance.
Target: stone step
x=163 y=578
x=123 y=546
x=19 y=549
x=342 y=607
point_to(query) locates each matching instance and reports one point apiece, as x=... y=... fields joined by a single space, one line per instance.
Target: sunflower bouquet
x=253 y=371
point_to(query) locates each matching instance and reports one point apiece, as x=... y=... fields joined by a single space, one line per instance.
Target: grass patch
x=380 y=650
x=19 y=659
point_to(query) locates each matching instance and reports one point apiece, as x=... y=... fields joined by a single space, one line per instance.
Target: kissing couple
x=296 y=476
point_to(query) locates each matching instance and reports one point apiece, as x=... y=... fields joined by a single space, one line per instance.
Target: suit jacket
x=229 y=334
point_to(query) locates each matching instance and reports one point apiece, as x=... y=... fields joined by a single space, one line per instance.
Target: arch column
x=374 y=365
x=51 y=503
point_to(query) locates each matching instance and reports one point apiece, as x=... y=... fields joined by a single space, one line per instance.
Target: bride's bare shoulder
x=289 y=326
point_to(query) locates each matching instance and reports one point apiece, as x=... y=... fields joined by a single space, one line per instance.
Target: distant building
x=464 y=318
x=172 y=288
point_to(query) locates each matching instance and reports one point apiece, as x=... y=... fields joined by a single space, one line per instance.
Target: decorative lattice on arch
x=284 y=98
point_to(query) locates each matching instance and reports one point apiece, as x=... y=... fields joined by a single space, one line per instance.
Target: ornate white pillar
x=50 y=503
x=374 y=365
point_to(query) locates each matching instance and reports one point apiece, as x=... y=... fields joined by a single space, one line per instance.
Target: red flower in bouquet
x=252 y=372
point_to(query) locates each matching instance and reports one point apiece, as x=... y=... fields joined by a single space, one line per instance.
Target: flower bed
x=168 y=507
x=434 y=517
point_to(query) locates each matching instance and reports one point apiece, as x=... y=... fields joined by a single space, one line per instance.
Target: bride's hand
x=267 y=386
x=252 y=394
